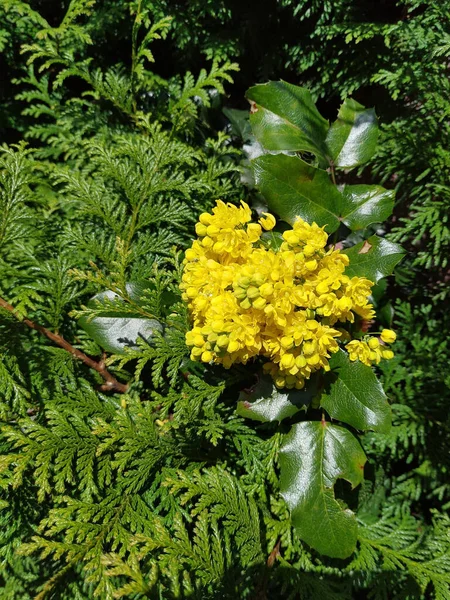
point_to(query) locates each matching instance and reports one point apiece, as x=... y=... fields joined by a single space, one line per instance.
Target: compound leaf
x=115 y=330
x=352 y=138
x=313 y=456
x=374 y=258
x=284 y=118
x=293 y=189
x=266 y=403
x=356 y=396
x=365 y=204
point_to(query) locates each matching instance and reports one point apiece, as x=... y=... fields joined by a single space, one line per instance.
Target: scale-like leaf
x=365 y=204
x=355 y=396
x=284 y=117
x=352 y=138
x=265 y=402
x=293 y=189
x=375 y=258
x=313 y=456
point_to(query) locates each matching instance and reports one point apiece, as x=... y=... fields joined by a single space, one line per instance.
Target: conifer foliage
x=128 y=470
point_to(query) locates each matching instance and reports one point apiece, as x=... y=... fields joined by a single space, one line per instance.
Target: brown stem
x=274 y=555
x=111 y=384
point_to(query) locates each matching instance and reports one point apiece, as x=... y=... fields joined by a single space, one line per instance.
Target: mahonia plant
x=301 y=300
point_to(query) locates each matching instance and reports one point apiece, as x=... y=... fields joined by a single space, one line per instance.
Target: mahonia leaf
x=293 y=189
x=284 y=118
x=356 y=396
x=266 y=403
x=314 y=454
x=365 y=204
x=272 y=239
x=374 y=258
x=115 y=331
x=352 y=138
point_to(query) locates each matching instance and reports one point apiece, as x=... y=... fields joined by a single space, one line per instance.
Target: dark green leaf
x=114 y=331
x=266 y=403
x=356 y=396
x=284 y=117
x=375 y=258
x=240 y=124
x=313 y=456
x=352 y=138
x=272 y=239
x=295 y=189
x=365 y=204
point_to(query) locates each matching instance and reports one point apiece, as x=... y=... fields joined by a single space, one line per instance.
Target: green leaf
x=352 y=138
x=313 y=456
x=365 y=204
x=284 y=118
x=239 y=121
x=115 y=331
x=375 y=258
x=356 y=396
x=266 y=403
x=293 y=189
x=272 y=239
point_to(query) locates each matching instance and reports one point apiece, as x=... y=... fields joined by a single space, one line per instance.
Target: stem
x=134 y=36
x=274 y=555
x=333 y=176
x=111 y=384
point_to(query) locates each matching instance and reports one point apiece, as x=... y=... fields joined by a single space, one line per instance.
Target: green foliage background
x=165 y=492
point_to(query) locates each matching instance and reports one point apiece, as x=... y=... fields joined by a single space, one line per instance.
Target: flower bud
x=388 y=336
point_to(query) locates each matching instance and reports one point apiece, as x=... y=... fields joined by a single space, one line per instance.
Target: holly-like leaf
x=365 y=204
x=266 y=403
x=293 y=189
x=313 y=456
x=375 y=258
x=115 y=330
x=355 y=396
x=284 y=118
x=352 y=138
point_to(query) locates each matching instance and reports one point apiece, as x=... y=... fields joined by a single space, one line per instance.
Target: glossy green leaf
x=272 y=239
x=352 y=138
x=284 y=117
x=313 y=456
x=355 y=396
x=266 y=403
x=115 y=331
x=293 y=189
x=375 y=258
x=365 y=204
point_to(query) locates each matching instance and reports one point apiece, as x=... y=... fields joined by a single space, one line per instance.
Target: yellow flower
x=246 y=300
x=268 y=222
x=388 y=336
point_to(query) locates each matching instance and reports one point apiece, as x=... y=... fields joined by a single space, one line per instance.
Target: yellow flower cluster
x=247 y=300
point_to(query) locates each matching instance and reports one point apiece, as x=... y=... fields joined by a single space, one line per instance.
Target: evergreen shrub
x=128 y=470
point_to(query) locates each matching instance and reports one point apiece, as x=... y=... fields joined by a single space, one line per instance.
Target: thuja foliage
x=128 y=470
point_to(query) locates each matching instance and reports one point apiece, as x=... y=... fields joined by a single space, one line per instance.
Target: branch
x=111 y=384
